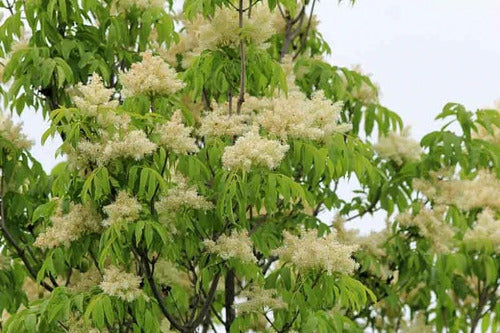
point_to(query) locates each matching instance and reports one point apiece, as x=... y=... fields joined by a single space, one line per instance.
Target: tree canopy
x=201 y=147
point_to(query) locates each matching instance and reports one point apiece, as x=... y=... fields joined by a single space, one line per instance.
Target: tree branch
x=208 y=302
x=304 y=37
x=241 y=97
x=229 y=299
x=10 y=238
x=154 y=288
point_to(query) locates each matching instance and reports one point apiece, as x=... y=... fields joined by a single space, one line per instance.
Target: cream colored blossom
x=481 y=191
x=12 y=133
x=223 y=29
x=366 y=93
x=188 y=45
x=77 y=324
x=308 y=251
x=124 y=6
x=84 y=281
x=23 y=42
x=176 y=136
x=238 y=245
x=372 y=243
x=493 y=136
x=483 y=134
x=151 y=76
x=182 y=196
x=260 y=300
x=486 y=232
x=218 y=123
x=124 y=209
x=167 y=274
x=165 y=326
x=67 y=228
x=417 y=325
x=399 y=148
x=87 y=155
x=2 y=68
x=33 y=289
x=121 y=284
x=431 y=225
x=110 y=119
x=92 y=96
x=296 y=116
x=252 y=150
x=134 y=144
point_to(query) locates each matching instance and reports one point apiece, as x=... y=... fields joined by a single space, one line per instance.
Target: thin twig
x=304 y=37
x=241 y=97
x=229 y=299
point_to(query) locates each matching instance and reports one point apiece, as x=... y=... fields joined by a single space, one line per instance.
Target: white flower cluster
x=167 y=274
x=151 y=76
x=223 y=29
x=238 y=245
x=366 y=93
x=399 y=148
x=296 y=116
x=371 y=243
x=81 y=282
x=482 y=191
x=260 y=300
x=120 y=6
x=252 y=150
x=417 y=325
x=12 y=133
x=220 y=123
x=182 y=196
x=124 y=209
x=77 y=324
x=121 y=284
x=483 y=134
x=486 y=232
x=134 y=144
x=91 y=97
x=431 y=225
x=176 y=136
x=69 y=227
x=187 y=46
x=308 y=251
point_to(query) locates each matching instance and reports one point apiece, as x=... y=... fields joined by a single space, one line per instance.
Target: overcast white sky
x=423 y=53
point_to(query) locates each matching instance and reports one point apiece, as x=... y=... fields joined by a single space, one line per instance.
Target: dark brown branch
x=230 y=100
x=229 y=296
x=291 y=33
x=483 y=299
x=304 y=37
x=154 y=288
x=271 y=323
x=241 y=97
x=288 y=325
x=208 y=302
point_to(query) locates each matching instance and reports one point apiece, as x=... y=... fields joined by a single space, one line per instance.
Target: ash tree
x=201 y=147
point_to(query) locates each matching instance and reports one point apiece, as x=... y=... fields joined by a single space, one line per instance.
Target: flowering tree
x=201 y=148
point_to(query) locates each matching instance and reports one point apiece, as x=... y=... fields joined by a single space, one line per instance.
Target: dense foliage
x=201 y=147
